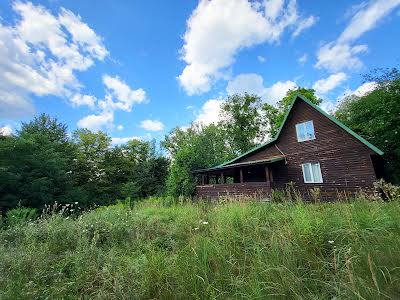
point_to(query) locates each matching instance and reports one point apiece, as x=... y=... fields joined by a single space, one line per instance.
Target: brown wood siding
x=235 y=190
x=346 y=164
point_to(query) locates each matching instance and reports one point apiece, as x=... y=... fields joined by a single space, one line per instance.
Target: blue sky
x=137 y=69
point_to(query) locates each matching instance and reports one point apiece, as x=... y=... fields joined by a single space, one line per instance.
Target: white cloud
x=341 y=54
x=97 y=122
x=82 y=34
x=218 y=29
x=209 y=113
x=119 y=96
x=80 y=100
x=120 y=127
x=303 y=59
x=246 y=83
x=328 y=106
x=41 y=53
x=254 y=84
x=362 y=90
x=152 y=125
x=335 y=57
x=323 y=86
x=122 y=91
x=304 y=24
x=14 y=105
x=124 y=95
x=278 y=90
x=261 y=59
x=6 y=130
x=123 y=140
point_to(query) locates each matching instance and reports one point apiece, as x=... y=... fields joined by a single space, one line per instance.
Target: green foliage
x=242 y=121
x=36 y=166
x=41 y=165
x=274 y=115
x=375 y=116
x=160 y=250
x=21 y=215
x=195 y=148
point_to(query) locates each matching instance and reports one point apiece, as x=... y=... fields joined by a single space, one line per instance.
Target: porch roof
x=243 y=164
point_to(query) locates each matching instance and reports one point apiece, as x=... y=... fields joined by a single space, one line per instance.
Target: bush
x=21 y=216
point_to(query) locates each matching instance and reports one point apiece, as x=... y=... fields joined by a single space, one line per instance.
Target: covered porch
x=253 y=179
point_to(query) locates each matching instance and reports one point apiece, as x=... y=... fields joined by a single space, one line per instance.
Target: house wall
x=346 y=163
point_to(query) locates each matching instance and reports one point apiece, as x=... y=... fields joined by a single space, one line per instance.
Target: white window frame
x=309 y=164
x=304 y=125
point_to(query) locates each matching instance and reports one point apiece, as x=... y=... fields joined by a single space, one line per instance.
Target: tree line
x=42 y=164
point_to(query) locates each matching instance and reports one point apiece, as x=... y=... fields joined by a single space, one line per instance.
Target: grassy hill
x=202 y=251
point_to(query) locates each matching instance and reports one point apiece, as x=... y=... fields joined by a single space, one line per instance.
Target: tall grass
x=160 y=250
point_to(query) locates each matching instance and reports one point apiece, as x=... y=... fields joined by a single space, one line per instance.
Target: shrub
x=20 y=216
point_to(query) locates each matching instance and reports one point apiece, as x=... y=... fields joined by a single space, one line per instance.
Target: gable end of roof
x=316 y=107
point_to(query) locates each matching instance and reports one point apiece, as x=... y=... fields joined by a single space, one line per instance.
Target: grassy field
x=158 y=250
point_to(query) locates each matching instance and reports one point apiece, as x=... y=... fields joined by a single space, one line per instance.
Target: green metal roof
x=333 y=119
x=247 y=163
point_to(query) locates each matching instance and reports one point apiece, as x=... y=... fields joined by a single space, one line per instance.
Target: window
x=305 y=131
x=312 y=173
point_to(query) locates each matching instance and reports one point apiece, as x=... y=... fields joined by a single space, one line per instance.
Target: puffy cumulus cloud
x=97 y=122
x=124 y=140
x=218 y=29
x=209 y=112
x=125 y=97
x=120 y=127
x=40 y=54
x=335 y=57
x=341 y=53
x=323 y=86
x=6 y=130
x=152 y=125
x=254 y=84
x=250 y=83
x=79 y=100
x=118 y=96
x=362 y=90
x=278 y=90
x=365 y=88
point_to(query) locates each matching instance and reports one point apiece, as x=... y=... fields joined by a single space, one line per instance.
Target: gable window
x=312 y=173
x=305 y=131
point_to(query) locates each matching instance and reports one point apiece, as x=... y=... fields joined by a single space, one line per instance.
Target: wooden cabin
x=311 y=150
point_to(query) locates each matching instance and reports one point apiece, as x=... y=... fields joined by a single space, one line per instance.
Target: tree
x=45 y=126
x=147 y=171
x=242 y=121
x=376 y=117
x=274 y=116
x=195 y=148
x=92 y=158
x=36 y=166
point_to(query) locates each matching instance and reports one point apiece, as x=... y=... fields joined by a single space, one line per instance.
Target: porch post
x=267 y=177
x=222 y=178
x=241 y=175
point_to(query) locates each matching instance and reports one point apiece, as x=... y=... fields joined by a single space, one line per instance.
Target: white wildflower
x=197 y=228
x=331 y=242
x=204 y=222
